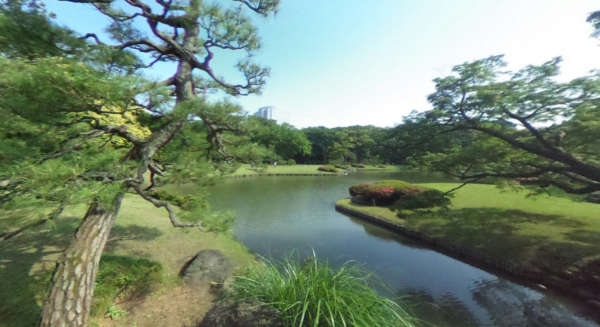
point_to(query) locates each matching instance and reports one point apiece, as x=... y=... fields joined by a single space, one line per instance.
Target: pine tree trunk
x=73 y=281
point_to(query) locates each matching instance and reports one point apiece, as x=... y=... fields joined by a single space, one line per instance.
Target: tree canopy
x=84 y=125
x=527 y=126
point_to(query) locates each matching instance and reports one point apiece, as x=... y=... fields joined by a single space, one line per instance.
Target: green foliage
x=315 y=294
x=490 y=123
x=428 y=199
x=114 y=313
x=350 y=144
x=185 y=202
x=27 y=32
x=594 y=19
x=51 y=89
x=404 y=195
x=284 y=140
x=329 y=169
x=123 y=278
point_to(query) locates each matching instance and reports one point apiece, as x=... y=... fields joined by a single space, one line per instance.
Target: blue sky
x=355 y=62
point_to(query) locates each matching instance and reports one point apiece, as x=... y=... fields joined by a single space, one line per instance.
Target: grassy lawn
x=302 y=169
x=141 y=230
x=541 y=235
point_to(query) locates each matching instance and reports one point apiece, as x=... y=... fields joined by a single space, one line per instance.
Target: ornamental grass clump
x=315 y=294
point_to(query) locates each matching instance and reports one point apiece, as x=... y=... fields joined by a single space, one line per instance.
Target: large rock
x=208 y=266
x=241 y=314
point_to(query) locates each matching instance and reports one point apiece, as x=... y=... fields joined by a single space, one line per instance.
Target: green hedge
x=329 y=168
x=401 y=194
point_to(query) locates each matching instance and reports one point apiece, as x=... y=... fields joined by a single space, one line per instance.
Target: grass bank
x=550 y=240
x=247 y=170
x=141 y=231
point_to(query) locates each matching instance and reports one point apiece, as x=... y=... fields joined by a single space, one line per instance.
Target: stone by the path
x=242 y=314
x=208 y=266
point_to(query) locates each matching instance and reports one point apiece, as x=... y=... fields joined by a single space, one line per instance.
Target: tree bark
x=73 y=280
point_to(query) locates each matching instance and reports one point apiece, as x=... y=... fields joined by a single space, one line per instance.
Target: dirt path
x=179 y=307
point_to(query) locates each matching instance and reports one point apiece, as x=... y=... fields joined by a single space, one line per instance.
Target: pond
x=276 y=216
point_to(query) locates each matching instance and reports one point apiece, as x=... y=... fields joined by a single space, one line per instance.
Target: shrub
x=124 y=278
x=381 y=166
x=358 y=165
x=290 y=162
x=405 y=195
x=427 y=199
x=329 y=168
x=315 y=294
x=340 y=166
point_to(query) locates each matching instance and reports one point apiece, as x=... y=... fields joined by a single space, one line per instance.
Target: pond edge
x=531 y=278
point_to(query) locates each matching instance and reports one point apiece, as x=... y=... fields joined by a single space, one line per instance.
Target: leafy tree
x=322 y=139
x=284 y=140
x=90 y=127
x=594 y=19
x=527 y=126
x=347 y=144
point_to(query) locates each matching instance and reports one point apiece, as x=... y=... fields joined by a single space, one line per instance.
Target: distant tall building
x=265 y=112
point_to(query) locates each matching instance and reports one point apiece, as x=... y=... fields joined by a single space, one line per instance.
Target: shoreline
x=540 y=280
x=276 y=174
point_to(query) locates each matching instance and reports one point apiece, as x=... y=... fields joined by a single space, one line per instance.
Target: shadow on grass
x=525 y=240
x=27 y=262
x=584 y=236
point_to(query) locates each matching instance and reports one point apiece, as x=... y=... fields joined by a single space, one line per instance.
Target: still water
x=280 y=215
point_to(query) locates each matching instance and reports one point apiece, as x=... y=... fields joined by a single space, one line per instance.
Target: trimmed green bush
x=427 y=199
x=290 y=162
x=315 y=294
x=328 y=168
x=358 y=165
x=124 y=278
x=402 y=194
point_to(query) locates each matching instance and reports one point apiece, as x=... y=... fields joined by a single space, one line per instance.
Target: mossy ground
x=541 y=234
x=141 y=231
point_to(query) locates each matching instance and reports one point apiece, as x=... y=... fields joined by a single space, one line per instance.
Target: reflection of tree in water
x=385 y=234
x=444 y=311
x=511 y=305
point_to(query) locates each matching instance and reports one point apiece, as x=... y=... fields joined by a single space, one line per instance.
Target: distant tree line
x=317 y=145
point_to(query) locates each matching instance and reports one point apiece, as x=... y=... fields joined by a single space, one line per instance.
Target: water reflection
x=512 y=305
x=446 y=310
x=278 y=215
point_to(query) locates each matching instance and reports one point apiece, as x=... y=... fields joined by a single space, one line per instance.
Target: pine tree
x=85 y=126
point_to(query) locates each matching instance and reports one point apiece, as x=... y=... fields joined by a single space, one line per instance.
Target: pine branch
x=164 y=204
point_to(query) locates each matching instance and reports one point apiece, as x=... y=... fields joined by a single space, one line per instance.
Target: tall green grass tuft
x=315 y=294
